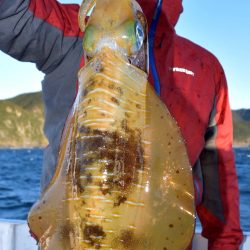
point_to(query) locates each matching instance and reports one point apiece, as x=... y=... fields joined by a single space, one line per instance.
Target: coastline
x=241 y=144
x=235 y=145
x=22 y=147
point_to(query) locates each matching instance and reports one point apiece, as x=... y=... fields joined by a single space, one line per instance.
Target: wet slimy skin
x=123 y=178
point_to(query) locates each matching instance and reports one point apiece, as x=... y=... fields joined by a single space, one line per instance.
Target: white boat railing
x=14 y=235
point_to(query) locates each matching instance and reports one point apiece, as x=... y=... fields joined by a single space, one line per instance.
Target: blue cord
x=151 y=37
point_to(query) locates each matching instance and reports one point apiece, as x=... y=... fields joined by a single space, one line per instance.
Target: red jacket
x=193 y=86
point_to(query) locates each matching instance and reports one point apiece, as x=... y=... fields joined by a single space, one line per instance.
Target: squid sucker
x=123 y=180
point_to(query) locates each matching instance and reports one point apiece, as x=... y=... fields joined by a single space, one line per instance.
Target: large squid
x=123 y=179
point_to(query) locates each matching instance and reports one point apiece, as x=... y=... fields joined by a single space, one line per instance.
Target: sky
x=221 y=26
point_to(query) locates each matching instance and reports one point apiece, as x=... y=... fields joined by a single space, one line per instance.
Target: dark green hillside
x=241 y=121
x=29 y=101
x=244 y=114
x=21 y=121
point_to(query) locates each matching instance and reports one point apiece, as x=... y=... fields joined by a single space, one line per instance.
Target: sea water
x=20 y=171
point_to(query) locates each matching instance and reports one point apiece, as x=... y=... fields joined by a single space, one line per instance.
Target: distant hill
x=241 y=121
x=21 y=122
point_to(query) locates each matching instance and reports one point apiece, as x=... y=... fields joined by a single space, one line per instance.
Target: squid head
x=122 y=28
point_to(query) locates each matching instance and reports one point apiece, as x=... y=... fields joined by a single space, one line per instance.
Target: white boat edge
x=14 y=235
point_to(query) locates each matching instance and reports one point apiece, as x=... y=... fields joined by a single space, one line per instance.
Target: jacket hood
x=171 y=9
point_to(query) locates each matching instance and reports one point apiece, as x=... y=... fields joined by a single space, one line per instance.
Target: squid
x=123 y=179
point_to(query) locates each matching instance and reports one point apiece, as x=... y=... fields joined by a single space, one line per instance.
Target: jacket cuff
x=218 y=246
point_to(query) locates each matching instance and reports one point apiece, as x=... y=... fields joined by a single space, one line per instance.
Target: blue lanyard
x=151 y=37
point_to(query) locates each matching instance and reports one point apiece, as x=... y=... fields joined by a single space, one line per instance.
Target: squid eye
x=139 y=33
x=89 y=39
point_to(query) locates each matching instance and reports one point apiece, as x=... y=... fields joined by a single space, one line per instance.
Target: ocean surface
x=20 y=171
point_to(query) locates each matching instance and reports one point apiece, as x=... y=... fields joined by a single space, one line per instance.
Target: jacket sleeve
x=38 y=31
x=219 y=210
